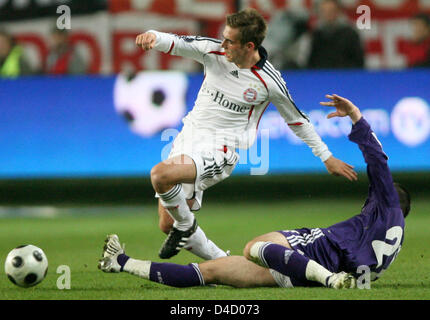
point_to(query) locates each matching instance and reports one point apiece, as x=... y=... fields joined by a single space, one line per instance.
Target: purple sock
x=122 y=259
x=286 y=261
x=176 y=275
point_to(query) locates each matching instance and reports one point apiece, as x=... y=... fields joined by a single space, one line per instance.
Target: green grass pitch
x=76 y=240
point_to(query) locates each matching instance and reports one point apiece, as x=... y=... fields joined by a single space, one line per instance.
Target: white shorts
x=213 y=162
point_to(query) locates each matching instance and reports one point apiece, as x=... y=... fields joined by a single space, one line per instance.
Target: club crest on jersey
x=250 y=95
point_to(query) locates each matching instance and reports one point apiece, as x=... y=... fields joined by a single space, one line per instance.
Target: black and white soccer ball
x=26 y=266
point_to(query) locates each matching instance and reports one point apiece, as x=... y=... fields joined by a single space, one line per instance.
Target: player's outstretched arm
x=194 y=47
x=361 y=133
x=305 y=131
x=344 y=108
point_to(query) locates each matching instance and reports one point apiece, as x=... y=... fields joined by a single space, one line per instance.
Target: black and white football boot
x=175 y=241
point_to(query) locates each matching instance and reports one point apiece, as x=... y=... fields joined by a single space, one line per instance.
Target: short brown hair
x=251 y=25
x=404 y=198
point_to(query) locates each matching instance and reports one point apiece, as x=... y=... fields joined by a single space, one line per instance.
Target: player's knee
x=247 y=249
x=159 y=178
x=209 y=273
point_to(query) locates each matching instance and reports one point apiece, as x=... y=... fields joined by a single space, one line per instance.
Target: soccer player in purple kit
x=333 y=257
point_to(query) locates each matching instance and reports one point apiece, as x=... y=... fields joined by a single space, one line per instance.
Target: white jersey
x=231 y=100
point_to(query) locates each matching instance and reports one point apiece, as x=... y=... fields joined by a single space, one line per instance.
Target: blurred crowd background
x=302 y=34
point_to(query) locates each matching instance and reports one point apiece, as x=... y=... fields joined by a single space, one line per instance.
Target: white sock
x=174 y=201
x=316 y=272
x=202 y=247
x=138 y=268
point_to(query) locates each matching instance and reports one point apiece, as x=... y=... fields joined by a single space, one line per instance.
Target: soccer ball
x=26 y=266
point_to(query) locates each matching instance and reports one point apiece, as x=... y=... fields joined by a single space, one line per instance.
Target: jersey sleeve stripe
x=262 y=114
x=283 y=89
x=208 y=39
x=299 y=111
x=217 y=52
x=277 y=74
x=250 y=112
x=278 y=82
x=171 y=48
x=198 y=38
x=259 y=77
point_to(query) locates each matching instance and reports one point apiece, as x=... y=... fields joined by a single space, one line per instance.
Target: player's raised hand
x=343 y=106
x=337 y=167
x=146 y=40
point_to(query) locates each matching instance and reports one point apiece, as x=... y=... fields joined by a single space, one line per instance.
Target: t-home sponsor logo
x=219 y=98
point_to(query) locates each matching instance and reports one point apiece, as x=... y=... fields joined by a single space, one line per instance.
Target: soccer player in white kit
x=238 y=86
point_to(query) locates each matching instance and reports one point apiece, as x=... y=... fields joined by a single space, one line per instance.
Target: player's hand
x=337 y=167
x=343 y=106
x=146 y=40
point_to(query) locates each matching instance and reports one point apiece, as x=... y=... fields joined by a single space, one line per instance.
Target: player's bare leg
x=167 y=178
x=236 y=271
x=272 y=250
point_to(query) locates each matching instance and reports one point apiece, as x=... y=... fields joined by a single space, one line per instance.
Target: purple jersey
x=374 y=237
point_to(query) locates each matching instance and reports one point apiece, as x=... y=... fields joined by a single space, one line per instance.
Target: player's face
x=234 y=50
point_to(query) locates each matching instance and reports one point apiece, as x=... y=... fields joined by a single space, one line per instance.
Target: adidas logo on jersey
x=235 y=73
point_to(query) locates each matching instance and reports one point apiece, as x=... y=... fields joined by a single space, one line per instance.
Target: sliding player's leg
x=234 y=270
x=115 y=260
x=275 y=252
